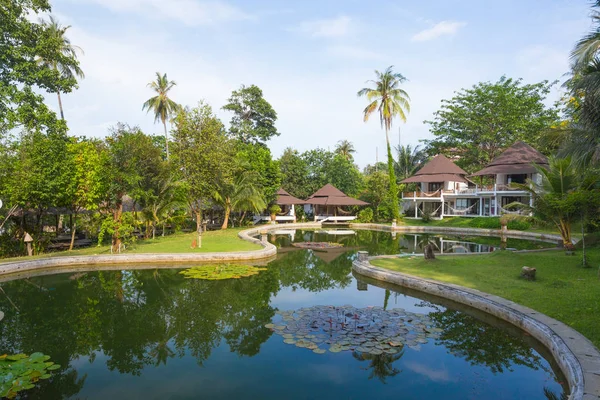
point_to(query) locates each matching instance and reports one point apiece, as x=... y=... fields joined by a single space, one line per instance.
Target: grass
x=212 y=241
x=563 y=289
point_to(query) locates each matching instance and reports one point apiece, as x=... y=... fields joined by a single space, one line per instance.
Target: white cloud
x=444 y=28
x=189 y=12
x=435 y=375
x=334 y=27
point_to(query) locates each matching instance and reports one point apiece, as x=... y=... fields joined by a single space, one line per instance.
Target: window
x=462 y=204
x=435 y=186
x=517 y=178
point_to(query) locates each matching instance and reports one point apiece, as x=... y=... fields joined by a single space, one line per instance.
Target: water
x=151 y=334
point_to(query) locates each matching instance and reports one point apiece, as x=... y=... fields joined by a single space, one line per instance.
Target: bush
x=365 y=215
x=485 y=223
x=274 y=209
x=426 y=217
x=519 y=223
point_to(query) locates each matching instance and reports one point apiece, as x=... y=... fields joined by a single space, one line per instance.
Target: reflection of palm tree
x=161 y=351
x=551 y=396
x=381 y=364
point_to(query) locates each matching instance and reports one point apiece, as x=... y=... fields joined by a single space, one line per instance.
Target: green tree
x=346 y=149
x=203 y=153
x=390 y=101
x=376 y=193
x=22 y=78
x=68 y=70
x=294 y=173
x=253 y=118
x=88 y=184
x=161 y=105
x=344 y=175
x=563 y=194
x=258 y=158
x=409 y=160
x=481 y=122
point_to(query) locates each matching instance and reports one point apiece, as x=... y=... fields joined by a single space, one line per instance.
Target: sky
x=309 y=57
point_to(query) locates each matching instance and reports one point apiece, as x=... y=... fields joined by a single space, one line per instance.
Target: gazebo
x=287 y=202
x=327 y=203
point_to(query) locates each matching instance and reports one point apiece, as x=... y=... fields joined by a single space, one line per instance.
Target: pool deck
x=576 y=356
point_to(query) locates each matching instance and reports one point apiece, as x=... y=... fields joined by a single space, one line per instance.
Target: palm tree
x=161 y=104
x=239 y=194
x=68 y=67
x=410 y=160
x=587 y=47
x=389 y=100
x=345 y=148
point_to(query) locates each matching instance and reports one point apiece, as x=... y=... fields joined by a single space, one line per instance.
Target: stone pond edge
x=576 y=356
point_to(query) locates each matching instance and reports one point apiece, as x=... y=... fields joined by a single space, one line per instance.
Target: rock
x=528 y=273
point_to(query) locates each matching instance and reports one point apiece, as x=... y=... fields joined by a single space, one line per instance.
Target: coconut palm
x=587 y=47
x=67 y=67
x=162 y=106
x=389 y=101
x=410 y=160
x=239 y=193
x=345 y=148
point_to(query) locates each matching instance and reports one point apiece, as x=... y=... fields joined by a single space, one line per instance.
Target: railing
x=470 y=191
x=420 y=194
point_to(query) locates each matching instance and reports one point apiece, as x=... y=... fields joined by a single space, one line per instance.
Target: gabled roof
x=285 y=199
x=518 y=158
x=439 y=169
x=332 y=196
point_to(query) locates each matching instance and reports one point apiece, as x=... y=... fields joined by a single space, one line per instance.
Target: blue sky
x=309 y=57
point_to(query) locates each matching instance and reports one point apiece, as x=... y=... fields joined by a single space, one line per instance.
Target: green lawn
x=212 y=241
x=563 y=290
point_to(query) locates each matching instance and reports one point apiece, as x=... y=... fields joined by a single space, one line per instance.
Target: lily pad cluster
x=20 y=372
x=370 y=330
x=221 y=271
x=318 y=245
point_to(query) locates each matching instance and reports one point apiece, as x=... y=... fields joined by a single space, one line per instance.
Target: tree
x=162 y=106
x=480 y=122
x=68 y=70
x=294 y=173
x=253 y=118
x=258 y=158
x=376 y=193
x=586 y=49
x=390 y=101
x=22 y=43
x=563 y=194
x=410 y=160
x=345 y=148
x=88 y=182
x=204 y=153
x=344 y=175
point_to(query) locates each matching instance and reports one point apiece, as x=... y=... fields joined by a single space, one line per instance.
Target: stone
x=528 y=273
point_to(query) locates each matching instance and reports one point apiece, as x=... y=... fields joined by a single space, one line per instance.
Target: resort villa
x=287 y=202
x=444 y=189
x=327 y=204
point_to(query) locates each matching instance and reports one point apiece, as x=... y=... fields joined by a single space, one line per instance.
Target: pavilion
x=327 y=204
x=287 y=202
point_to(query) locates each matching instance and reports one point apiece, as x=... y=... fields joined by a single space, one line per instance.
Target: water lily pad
x=335 y=349
x=289 y=341
x=270 y=326
x=319 y=351
x=221 y=271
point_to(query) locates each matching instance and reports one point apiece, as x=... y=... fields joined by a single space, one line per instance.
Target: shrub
x=365 y=215
x=274 y=209
x=519 y=223
x=485 y=223
x=426 y=217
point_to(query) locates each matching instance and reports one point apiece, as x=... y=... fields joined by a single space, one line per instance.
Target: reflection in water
x=104 y=327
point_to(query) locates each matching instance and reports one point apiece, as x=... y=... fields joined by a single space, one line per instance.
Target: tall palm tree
x=587 y=47
x=389 y=101
x=410 y=160
x=69 y=67
x=241 y=193
x=345 y=148
x=162 y=106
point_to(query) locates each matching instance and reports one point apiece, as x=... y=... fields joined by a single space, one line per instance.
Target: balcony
x=476 y=191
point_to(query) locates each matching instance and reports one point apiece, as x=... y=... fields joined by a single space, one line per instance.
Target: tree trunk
x=166 y=138
x=226 y=219
x=117 y=214
x=60 y=107
x=153 y=230
x=199 y=227
x=163 y=230
x=428 y=252
x=73 y=228
x=393 y=193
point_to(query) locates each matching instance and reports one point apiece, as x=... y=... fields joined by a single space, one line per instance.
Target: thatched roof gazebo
x=439 y=169
x=327 y=201
x=517 y=159
x=286 y=199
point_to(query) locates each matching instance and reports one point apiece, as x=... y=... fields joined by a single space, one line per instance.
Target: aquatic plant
x=20 y=372
x=221 y=271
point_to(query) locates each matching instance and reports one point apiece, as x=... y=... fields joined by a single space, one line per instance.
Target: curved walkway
x=576 y=355
x=268 y=251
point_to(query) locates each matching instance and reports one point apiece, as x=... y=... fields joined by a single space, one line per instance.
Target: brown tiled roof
x=332 y=196
x=439 y=169
x=285 y=199
x=518 y=158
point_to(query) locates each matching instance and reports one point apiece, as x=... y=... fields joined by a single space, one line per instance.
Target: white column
x=480 y=206
x=416 y=209
x=442 y=214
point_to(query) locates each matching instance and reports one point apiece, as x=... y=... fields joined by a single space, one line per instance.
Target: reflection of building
x=362 y=286
x=444 y=189
x=327 y=204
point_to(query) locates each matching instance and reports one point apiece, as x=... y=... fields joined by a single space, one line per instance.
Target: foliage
x=426 y=218
x=21 y=372
x=365 y=215
x=409 y=160
x=274 y=209
x=390 y=101
x=480 y=122
x=258 y=159
x=221 y=271
x=254 y=118
x=162 y=106
x=345 y=149
x=295 y=173
x=23 y=42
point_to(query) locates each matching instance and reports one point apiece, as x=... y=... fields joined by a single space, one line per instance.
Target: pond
x=304 y=327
